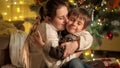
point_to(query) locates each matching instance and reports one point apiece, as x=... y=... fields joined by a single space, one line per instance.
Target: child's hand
x=38 y=38
x=70 y=48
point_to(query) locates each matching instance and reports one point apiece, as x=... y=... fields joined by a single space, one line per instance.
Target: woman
x=55 y=19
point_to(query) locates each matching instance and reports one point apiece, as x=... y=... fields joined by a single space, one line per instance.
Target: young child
x=79 y=19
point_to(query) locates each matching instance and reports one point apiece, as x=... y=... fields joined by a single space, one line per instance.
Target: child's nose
x=74 y=23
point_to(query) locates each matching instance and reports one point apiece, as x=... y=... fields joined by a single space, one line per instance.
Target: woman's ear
x=47 y=19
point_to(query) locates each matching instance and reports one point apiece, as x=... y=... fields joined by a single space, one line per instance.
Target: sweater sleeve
x=86 y=40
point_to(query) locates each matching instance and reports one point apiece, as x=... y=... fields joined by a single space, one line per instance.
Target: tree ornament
x=37 y=1
x=80 y=1
x=109 y=35
x=113 y=4
x=116 y=4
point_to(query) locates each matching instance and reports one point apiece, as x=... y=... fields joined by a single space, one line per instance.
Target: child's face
x=75 y=24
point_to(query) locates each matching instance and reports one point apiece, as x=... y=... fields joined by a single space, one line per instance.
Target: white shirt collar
x=53 y=27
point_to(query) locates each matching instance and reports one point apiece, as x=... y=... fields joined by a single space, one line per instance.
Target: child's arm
x=38 y=39
x=56 y=53
x=85 y=40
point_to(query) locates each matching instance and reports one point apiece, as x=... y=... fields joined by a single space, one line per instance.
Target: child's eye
x=79 y=23
x=71 y=19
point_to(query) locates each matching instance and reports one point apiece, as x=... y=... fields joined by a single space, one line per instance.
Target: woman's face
x=61 y=18
x=75 y=24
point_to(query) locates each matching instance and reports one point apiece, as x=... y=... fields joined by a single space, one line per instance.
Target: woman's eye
x=61 y=18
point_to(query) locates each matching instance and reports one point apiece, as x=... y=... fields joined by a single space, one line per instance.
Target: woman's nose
x=66 y=19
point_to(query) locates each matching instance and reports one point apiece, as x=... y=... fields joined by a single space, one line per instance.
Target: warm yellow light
x=87 y=53
x=18 y=10
x=106 y=8
x=6 y=0
x=93 y=59
x=103 y=10
x=71 y=1
x=100 y=24
x=15 y=18
x=112 y=10
x=21 y=2
x=21 y=17
x=5 y=13
x=96 y=8
x=86 y=6
x=9 y=19
x=99 y=20
x=15 y=3
x=92 y=55
x=118 y=61
x=8 y=6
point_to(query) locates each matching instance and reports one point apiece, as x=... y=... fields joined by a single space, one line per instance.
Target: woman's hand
x=70 y=48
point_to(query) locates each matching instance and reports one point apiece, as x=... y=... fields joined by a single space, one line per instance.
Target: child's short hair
x=81 y=13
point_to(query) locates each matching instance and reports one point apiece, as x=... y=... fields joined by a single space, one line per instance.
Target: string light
x=92 y=55
x=118 y=61
x=86 y=6
x=21 y=2
x=6 y=0
x=9 y=20
x=18 y=10
x=106 y=8
x=21 y=17
x=99 y=20
x=15 y=3
x=87 y=53
x=8 y=6
x=103 y=10
x=92 y=24
x=112 y=11
x=15 y=10
x=5 y=13
x=71 y=1
x=15 y=18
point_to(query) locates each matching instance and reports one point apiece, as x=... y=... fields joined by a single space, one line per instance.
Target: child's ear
x=83 y=28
